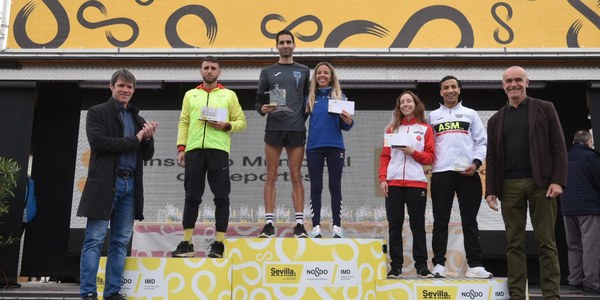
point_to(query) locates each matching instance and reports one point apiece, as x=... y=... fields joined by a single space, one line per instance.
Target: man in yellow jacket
x=209 y=114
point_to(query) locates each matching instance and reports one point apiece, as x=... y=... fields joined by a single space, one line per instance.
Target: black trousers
x=315 y=159
x=198 y=164
x=468 y=190
x=415 y=200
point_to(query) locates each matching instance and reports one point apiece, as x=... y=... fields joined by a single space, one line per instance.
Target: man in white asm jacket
x=460 y=147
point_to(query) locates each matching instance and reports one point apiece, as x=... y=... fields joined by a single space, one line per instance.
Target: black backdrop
x=17 y=99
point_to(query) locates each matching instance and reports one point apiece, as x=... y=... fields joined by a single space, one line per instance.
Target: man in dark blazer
x=120 y=140
x=526 y=165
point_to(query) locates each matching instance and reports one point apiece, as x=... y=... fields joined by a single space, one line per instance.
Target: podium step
x=173 y=278
x=442 y=289
x=291 y=268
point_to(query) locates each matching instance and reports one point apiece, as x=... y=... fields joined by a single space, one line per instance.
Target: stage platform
x=280 y=268
x=275 y=268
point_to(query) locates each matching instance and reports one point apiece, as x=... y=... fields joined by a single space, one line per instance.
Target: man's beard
x=209 y=80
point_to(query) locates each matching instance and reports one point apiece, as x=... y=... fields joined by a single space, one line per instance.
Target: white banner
x=362 y=199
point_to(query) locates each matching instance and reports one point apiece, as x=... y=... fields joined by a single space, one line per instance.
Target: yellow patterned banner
x=442 y=289
x=316 y=24
x=173 y=278
x=289 y=268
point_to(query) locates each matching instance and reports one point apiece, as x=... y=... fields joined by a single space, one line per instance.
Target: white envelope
x=337 y=106
x=213 y=114
x=396 y=139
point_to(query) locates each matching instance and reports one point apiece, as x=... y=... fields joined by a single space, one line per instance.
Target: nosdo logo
x=472 y=294
x=317 y=272
x=437 y=294
x=125 y=281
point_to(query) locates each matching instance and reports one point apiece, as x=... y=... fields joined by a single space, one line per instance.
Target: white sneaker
x=338 y=232
x=478 y=272
x=316 y=232
x=439 y=271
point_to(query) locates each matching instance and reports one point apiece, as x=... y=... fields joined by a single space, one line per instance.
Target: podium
x=253 y=268
x=290 y=268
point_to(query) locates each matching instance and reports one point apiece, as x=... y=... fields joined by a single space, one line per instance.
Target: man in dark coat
x=580 y=205
x=526 y=166
x=120 y=140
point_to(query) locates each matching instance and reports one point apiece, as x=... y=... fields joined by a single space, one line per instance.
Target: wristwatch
x=477 y=164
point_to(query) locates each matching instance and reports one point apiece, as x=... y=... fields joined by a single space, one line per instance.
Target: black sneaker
x=299 y=231
x=184 y=249
x=395 y=273
x=576 y=287
x=268 y=231
x=216 y=250
x=117 y=296
x=588 y=291
x=424 y=272
x=89 y=297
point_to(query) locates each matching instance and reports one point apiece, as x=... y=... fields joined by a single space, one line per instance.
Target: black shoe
x=395 y=273
x=184 y=249
x=117 y=296
x=575 y=287
x=268 y=231
x=299 y=231
x=424 y=272
x=89 y=297
x=216 y=250
x=587 y=291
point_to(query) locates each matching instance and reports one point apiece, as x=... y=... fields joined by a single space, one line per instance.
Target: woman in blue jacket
x=325 y=143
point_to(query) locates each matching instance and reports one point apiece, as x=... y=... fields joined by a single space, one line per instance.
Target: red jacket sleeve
x=428 y=155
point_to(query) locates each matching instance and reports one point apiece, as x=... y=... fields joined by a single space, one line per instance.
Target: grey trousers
x=583 y=240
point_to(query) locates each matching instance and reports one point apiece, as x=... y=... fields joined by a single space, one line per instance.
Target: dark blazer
x=582 y=195
x=104 y=129
x=547 y=148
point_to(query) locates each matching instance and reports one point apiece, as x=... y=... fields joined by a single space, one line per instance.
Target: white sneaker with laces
x=316 y=232
x=478 y=272
x=338 y=232
x=439 y=271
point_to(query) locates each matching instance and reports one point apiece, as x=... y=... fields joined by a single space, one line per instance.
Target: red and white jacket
x=405 y=170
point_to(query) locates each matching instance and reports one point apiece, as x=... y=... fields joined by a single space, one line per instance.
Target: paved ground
x=53 y=290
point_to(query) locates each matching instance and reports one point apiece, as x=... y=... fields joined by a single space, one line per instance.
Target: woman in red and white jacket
x=403 y=181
